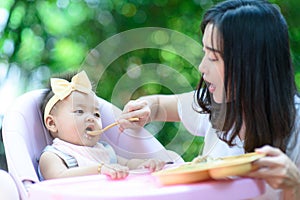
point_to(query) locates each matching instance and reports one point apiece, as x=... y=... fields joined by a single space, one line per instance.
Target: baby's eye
x=78 y=111
x=97 y=114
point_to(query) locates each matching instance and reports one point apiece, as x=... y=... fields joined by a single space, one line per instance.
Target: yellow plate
x=216 y=169
x=182 y=174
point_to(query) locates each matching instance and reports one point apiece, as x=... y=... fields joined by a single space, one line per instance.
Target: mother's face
x=212 y=64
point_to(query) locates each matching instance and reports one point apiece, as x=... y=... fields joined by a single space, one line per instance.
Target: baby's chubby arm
x=52 y=167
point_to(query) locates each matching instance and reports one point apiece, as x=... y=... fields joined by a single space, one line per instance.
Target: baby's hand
x=152 y=164
x=115 y=171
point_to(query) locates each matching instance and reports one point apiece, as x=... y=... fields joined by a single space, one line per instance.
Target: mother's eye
x=212 y=56
x=213 y=59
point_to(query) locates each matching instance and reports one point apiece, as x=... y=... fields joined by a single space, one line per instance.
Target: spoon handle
x=97 y=132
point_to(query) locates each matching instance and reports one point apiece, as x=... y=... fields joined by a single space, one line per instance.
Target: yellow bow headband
x=63 y=88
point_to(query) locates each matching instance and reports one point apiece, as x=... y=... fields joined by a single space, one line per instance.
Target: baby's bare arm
x=52 y=167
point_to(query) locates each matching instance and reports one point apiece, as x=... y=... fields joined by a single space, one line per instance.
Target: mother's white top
x=199 y=124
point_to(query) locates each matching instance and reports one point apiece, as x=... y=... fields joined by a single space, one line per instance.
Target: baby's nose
x=91 y=118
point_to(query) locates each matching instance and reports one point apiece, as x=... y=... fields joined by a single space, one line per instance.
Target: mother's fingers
x=139 y=110
x=276 y=168
x=269 y=151
x=141 y=114
x=134 y=105
x=275 y=178
x=270 y=162
x=265 y=171
x=274 y=157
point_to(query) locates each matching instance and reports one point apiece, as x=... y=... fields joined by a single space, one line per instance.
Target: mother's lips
x=211 y=87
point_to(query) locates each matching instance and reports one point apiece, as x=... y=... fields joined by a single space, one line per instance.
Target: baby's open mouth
x=89 y=129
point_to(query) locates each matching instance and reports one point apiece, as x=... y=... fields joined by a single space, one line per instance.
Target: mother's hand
x=134 y=108
x=277 y=169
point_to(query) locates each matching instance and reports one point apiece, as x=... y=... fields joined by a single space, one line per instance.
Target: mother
x=246 y=99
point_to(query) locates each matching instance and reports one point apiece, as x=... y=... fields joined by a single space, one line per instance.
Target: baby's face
x=75 y=115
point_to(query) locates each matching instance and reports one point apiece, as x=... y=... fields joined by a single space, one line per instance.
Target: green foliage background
x=45 y=37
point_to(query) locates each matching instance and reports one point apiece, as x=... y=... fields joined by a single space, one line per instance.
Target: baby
x=70 y=110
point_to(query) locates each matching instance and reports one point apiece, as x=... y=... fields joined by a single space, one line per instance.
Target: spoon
x=98 y=132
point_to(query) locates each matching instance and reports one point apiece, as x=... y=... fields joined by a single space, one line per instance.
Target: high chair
x=8 y=189
x=25 y=136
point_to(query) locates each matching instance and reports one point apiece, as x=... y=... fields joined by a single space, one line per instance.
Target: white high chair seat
x=25 y=136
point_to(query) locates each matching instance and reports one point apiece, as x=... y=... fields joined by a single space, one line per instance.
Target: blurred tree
x=42 y=37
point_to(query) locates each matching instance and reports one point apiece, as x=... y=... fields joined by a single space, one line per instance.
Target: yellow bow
x=63 y=88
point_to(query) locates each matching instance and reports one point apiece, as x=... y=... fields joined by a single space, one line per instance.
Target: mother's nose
x=202 y=67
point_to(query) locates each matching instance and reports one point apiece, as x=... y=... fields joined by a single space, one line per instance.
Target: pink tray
x=143 y=186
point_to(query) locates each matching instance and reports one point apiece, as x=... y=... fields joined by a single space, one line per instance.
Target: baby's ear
x=50 y=124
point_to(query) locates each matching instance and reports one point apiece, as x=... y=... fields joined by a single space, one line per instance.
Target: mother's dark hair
x=258 y=75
